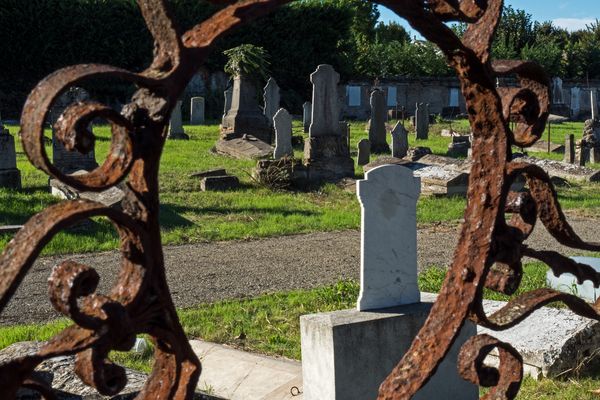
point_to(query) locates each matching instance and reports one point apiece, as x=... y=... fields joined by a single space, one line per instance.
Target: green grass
x=269 y=324
x=189 y=215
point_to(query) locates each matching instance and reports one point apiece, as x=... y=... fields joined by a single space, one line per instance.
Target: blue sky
x=569 y=14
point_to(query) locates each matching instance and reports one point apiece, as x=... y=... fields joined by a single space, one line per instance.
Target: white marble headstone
x=388 y=274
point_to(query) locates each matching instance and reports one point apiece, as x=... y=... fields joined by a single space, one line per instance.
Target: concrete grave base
x=327 y=158
x=347 y=354
x=10 y=178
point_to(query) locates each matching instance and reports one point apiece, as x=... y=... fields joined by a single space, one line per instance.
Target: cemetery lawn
x=269 y=324
x=189 y=215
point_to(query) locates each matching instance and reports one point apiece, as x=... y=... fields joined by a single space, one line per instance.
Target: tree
x=391 y=32
x=248 y=60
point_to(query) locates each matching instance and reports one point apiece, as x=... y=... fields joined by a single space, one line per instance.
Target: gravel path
x=208 y=272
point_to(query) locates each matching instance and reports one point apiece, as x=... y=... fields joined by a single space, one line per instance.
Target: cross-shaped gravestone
x=283 y=134
x=388 y=196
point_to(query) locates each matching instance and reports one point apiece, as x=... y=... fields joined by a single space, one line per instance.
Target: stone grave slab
x=566 y=171
x=111 y=197
x=568 y=283
x=246 y=148
x=541 y=146
x=10 y=229
x=219 y=183
x=209 y=172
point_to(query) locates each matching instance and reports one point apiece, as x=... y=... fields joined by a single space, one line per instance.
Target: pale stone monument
x=388 y=196
x=377 y=130
x=66 y=161
x=197 y=111
x=10 y=176
x=283 y=134
x=575 y=101
x=422 y=121
x=245 y=117
x=399 y=141
x=347 y=354
x=326 y=153
x=364 y=152
x=176 y=124
x=557 y=91
x=569 y=156
x=271 y=100
x=306 y=115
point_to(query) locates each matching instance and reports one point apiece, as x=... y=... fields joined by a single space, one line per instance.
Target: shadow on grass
x=176 y=210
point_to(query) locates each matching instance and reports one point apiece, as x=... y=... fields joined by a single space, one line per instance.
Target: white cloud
x=573 y=24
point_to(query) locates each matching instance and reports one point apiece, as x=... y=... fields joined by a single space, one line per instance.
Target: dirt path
x=208 y=272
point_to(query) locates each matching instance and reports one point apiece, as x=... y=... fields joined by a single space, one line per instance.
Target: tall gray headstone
x=377 y=131
x=594 y=104
x=345 y=130
x=388 y=196
x=364 y=152
x=197 y=111
x=575 y=101
x=399 y=141
x=557 y=91
x=176 y=123
x=325 y=105
x=326 y=151
x=227 y=95
x=271 y=100
x=306 y=115
x=64 y=160
x=245 y=117
x=569 y=149
x=10 y=176
x=422 y=121
x=283 y=134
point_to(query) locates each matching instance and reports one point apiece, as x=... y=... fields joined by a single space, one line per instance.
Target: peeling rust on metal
x=489 y=252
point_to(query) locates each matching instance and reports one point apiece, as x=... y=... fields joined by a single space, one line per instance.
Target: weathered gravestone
x=283 y=134
x=326 y=152
x=176 y=124
x=245 y=117
x=345 y=131
x=377 y=131
x=422 y=121
x=227 y=95
x=197 y=111
x=388 y=196
x=364 y=152
x=399 y=141
x=347 y=354
x=594 y=104
x=575 y=102
x=306 y=115
x=10 y=176
x=64 y=160
x=584 y=156
x=569 y=156
x=271 y=100
x=557 y=91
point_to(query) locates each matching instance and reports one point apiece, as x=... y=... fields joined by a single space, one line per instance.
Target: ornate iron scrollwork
x=489 y=252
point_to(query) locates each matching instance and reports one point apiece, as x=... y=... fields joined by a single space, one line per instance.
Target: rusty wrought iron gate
x=488 y=254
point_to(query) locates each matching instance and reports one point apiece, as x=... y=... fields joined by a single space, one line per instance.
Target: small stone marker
x=306 y=115
x=219 y=183
x=399 y=141
x=210 y=172
x=10 y=176
x=422 y=121
x=388 y=196
x=271 y=100
x=364 y=152
x=176 y=124
x=569 y=149
x=197 y=111
x=283 y=134
x=377 y=131
x=584 y=155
